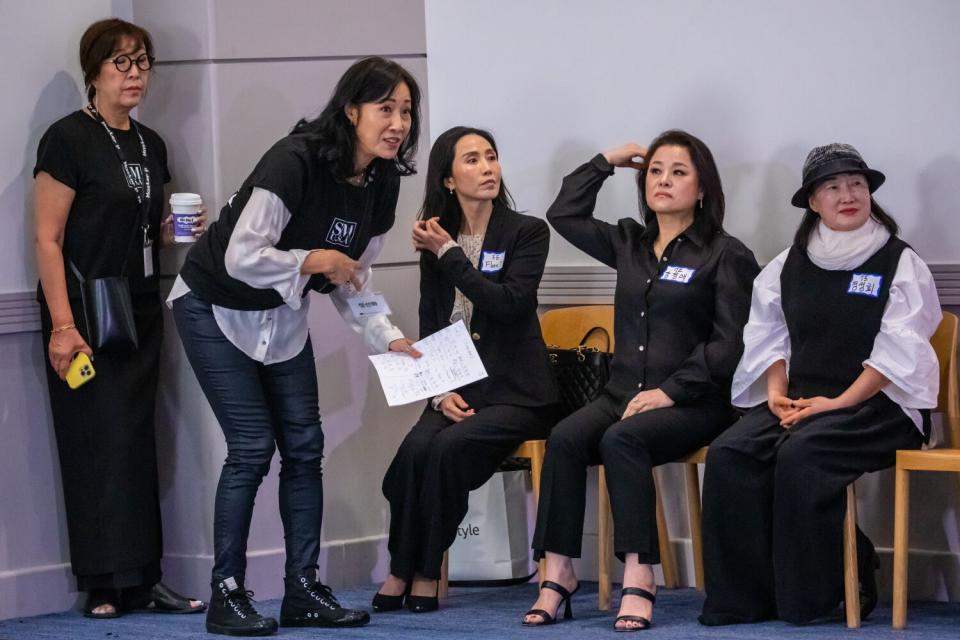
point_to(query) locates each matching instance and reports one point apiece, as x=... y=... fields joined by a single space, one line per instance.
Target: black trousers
x=628 y=449
x=773 y=507
x=434 y=470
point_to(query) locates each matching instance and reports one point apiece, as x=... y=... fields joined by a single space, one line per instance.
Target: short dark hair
x=368 y=80
x=711 y=213
x=811 y=217
x=437 y=199
x=99 y=42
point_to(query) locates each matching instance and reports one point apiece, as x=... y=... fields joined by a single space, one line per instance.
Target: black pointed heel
x=565 y=601
x=383 y=603
x=643 y=623
x=424 y=604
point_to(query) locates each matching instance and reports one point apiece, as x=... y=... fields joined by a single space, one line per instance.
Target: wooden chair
x=565 y=328
x=944 y=342
x=532 y=450
x=948 y=403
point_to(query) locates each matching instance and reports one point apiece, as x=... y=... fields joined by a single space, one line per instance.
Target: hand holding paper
x=449 y=362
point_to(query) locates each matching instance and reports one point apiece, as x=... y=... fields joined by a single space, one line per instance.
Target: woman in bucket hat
x=838 y=373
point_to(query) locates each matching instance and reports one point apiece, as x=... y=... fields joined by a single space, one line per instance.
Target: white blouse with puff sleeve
x=901 y=350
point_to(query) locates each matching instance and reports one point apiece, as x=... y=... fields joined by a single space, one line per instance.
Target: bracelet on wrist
x=65 y=327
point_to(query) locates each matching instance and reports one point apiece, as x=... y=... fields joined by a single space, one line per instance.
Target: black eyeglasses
x=123 y=62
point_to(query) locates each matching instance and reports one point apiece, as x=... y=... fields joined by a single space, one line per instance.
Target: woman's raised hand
x=628 y=155
x=428 y=235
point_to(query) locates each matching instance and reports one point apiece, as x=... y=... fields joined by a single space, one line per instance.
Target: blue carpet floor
x=495 y=613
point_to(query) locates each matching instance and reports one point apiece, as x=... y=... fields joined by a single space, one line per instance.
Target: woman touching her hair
x=480 y=264
x=682 y=294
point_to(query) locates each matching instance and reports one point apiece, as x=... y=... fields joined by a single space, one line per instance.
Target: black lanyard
x=143 y=192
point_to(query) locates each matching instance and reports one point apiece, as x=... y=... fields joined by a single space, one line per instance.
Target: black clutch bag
x=582 y=372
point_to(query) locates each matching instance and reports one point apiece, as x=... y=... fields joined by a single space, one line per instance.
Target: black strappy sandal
x=644 y=622
x=565 y=600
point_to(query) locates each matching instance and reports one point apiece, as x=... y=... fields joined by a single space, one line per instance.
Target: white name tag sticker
x=491 y=261
x=368 y=304
x=865 y=284
x=675 y=273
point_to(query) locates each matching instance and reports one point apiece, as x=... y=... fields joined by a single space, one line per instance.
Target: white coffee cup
x=185 y=208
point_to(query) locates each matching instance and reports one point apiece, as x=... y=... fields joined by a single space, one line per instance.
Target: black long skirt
x=108 y=458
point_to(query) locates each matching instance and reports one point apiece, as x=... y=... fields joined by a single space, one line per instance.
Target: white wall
x=760 y=82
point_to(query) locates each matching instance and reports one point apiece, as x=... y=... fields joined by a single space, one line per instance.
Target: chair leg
x=668 y=562
x=851 y=578
x=443 y=585
x=604 y=541
x=693 y=514
x=901 y=535
x=536 y=451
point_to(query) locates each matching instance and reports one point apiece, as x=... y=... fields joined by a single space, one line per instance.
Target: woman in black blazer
x=481 y=263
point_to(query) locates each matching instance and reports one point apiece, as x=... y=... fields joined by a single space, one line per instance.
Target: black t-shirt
x=78 y=152
x=325 y=213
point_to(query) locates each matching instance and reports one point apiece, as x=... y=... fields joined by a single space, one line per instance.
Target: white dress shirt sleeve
x=765 y=337
x=902 y=351
x=252 y=256
x=377 y=331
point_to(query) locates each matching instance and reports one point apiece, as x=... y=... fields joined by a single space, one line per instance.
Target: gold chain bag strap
x=582 y=372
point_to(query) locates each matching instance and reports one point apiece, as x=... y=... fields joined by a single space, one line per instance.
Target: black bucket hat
x=829 y=160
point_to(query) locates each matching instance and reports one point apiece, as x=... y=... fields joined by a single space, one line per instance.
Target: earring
x=701 y=202
x=451 y=190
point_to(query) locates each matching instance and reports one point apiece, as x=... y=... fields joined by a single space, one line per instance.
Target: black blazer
x=504 y=326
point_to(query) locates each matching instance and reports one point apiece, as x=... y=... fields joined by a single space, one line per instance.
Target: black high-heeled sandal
x=546 y=617
x=644 y=623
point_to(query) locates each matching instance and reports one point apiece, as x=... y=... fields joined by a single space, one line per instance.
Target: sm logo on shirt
x=341 y=232
x=134 y=175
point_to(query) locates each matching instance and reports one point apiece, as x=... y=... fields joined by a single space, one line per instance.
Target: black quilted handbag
x=582 y=372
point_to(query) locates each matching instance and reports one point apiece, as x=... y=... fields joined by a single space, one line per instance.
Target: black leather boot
x=307 y=603
x=231 y=611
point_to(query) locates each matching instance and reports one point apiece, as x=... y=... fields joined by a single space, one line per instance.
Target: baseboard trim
x=30 y=591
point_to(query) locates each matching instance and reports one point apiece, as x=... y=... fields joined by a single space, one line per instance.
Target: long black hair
x=811 y=217
x=711 y=213
x=437 y=199
x=371 y=79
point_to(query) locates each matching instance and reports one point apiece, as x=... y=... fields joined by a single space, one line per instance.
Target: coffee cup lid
x=185 y=198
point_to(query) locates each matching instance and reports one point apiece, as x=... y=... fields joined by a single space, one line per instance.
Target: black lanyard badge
x=137 y=178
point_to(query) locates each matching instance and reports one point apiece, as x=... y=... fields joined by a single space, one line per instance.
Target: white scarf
x=844 y=250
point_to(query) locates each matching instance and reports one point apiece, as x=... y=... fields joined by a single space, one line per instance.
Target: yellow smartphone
x=80 y=371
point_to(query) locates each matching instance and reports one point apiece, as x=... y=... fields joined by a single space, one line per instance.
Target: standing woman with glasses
x=98 y=197
x=312 y=216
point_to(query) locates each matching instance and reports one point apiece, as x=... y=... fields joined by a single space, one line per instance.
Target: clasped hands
x=339 y=269
x=791 y=411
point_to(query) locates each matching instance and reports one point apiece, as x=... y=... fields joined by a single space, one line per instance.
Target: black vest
x=325 y=214
x=833 y=318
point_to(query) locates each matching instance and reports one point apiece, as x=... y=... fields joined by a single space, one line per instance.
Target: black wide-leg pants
x=773 y=508
x=628 y=449
x=433 y=472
